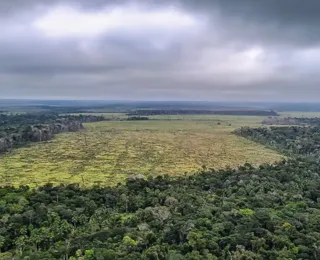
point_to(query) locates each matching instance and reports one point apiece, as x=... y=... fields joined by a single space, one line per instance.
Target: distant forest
x=152 y=112
x=291 y=121
x=83 y=106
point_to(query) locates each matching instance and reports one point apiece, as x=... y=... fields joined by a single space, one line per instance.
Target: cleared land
x=106 y=152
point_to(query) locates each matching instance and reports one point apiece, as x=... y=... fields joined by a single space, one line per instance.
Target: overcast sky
x=225 y=50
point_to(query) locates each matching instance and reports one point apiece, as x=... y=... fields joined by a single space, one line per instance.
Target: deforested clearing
x=105 y=153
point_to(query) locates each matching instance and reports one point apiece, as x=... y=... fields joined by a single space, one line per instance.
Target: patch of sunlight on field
x=106 y=152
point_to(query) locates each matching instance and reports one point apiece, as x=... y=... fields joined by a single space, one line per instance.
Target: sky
x=210 y=50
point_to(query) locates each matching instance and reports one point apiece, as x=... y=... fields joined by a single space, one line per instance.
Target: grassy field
x=106 y=152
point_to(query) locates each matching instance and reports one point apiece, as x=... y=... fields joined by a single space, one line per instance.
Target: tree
x=2 y=242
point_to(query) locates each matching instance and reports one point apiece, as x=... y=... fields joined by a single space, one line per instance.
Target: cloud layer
x=247 y=50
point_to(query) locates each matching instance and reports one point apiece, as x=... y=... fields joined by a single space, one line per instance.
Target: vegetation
x=299 y=114
x=106 y=116
x=137 y=118
x=292 y=140
x=17 y=130
x=13 y=137
x=305 y=121
x=255 y=209
x=105 y=153
x=20 y=120
x=270 y=212
x=242 y=112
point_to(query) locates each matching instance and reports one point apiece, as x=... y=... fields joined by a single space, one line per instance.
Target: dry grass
x=106 y=152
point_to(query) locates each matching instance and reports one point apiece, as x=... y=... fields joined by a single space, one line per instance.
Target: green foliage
x=270 y=212
x=20 y=129
x=128 y=241
x=290 y=140
x=304 y=121
x=246 y=212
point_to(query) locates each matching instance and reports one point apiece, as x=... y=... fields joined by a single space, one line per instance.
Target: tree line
x=290 y=140
x=14 y=120
x=304 y=121
x=152 y=112
x=17 y=130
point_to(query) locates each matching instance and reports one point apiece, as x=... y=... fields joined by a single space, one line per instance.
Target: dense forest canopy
x=11 y=120
x=267 y=213
x=291 y=140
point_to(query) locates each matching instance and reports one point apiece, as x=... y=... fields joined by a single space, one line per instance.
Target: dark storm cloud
x=39 y=56
x=241 y=50
x=284 y=22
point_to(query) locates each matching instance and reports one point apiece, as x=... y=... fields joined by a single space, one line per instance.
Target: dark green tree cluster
x=17 y=130
x=291 y=140
x=241 y=112
x=21 y=120
x=11 y=120
x=270 y=212
x=139 y=118
x=291 y=121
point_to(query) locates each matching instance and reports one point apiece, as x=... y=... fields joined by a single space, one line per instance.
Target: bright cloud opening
x=70 y=22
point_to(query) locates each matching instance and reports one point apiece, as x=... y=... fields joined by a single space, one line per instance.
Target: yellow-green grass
x=235 y=121
x=107 y=152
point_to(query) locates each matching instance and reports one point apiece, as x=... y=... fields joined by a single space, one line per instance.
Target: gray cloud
x=215 y=50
